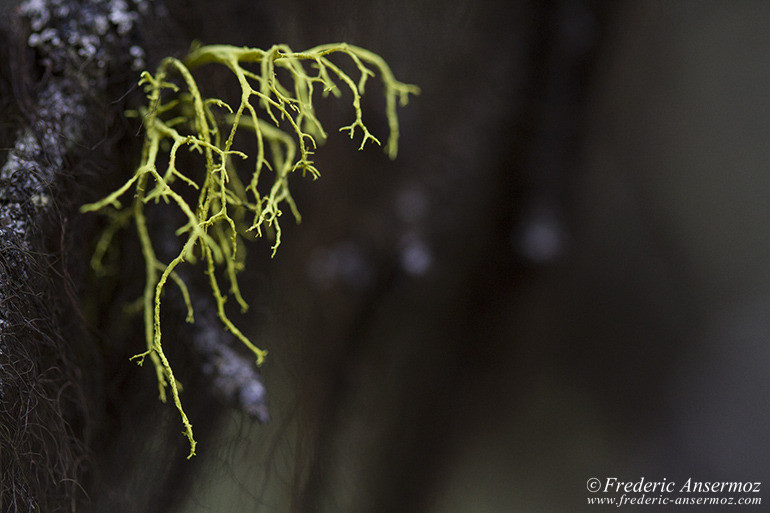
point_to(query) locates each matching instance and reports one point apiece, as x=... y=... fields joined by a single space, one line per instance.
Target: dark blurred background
x=563 y=275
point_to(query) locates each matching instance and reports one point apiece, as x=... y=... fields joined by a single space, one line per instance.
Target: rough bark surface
x=44 y=420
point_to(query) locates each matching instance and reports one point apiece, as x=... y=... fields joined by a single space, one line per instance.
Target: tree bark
x=45 y=416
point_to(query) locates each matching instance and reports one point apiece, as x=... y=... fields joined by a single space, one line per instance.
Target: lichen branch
x=209 y=193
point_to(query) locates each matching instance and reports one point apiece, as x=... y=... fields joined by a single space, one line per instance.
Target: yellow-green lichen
x=277 y=87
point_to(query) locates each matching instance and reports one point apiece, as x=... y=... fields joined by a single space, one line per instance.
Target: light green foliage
x=231 y=205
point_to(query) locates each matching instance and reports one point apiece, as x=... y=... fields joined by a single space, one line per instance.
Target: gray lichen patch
x=234 y=377
x=34 y=163
x=70 y=34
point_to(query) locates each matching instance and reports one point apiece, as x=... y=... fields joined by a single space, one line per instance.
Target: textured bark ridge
x=43 y=424
x=80 y=47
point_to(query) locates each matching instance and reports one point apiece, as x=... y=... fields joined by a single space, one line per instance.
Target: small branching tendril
x=228 y=209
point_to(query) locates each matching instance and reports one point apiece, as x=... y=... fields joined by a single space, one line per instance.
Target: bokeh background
x=564 y=274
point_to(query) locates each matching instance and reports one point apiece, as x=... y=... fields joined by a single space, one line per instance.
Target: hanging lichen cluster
x=228 y=208
x=277 y=87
